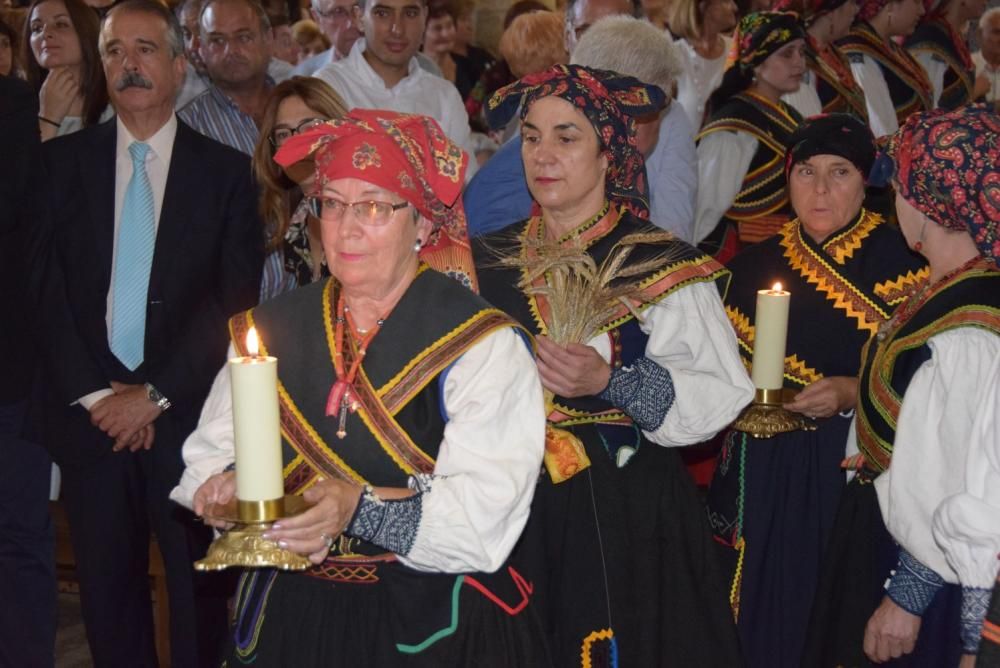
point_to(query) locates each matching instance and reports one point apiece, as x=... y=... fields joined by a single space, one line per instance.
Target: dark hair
x=522 y=7
x=173 y=35
x=87 y=27
x=437 y=9
x=6 y=29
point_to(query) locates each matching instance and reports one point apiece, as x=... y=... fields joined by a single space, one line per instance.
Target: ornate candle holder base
x=244 y=546
x=766 y=417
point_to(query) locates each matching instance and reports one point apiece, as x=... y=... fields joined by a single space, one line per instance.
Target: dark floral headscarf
x=760 y=34
x=948 y=167
x=406 y=154
x=611 y=102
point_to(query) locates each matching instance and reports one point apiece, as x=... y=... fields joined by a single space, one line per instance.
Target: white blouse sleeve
x=805 y=100
x=723 y=161
x=935 y=68
x=881 y=111
x=690 y=336
x=967 y=524
x=489 y=460
x=945 y=432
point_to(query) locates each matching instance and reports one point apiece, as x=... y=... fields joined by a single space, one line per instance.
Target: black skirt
x=860 y=559
x=628 y=574
x=401 y=618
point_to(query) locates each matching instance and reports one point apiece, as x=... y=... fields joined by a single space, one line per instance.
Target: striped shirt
x=216 y=116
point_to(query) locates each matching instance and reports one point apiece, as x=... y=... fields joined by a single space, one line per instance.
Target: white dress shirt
x=486 y=468
x=161 y=147
x=419 y=92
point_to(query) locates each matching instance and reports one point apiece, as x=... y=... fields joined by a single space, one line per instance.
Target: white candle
x=256 y=425
x=770 y=332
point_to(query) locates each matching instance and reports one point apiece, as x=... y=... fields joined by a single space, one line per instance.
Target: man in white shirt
x=987 y=59
x=155 y=243
x=335 y=19
x=381 y=71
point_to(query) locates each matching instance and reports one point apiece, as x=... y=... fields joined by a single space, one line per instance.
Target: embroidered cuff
x=913 y=585
x=389 y=524
x=645 y=391
x=975 y=602
x=421 y=482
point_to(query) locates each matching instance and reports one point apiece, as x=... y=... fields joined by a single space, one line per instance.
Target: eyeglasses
x=368 y=212
x=280 y=135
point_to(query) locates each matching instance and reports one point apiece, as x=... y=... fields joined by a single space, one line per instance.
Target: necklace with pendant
x=343 y=397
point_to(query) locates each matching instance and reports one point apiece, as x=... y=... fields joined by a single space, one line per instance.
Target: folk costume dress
x=920 y=520
x=631 y=577
x=444 y=398
x=616 y=528
x=945 y=56
x=895 y=85
x=741 y=148
x=773 y=501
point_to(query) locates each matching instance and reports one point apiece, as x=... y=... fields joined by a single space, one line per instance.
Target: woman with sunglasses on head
x=293 y=235
x=60 y=56
x=412 y=424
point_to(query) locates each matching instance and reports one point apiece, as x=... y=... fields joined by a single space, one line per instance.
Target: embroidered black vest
x=936 y=35
x=908 y=85
x=761 y=207
x=397 y=430
x=971 y=299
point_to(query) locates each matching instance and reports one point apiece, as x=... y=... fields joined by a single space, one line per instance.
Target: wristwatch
x=157 y=397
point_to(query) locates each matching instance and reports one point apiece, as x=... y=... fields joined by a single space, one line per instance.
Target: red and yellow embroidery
x=894 y=291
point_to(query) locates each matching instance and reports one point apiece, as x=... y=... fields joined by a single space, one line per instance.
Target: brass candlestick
x=244 y=545
x=766 y=416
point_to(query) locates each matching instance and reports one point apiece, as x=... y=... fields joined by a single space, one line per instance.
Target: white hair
x=984 y=20
x=633 y=47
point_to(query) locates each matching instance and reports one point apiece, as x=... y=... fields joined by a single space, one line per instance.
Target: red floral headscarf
x=948 y=167
x=611 y=102
x=406 y=154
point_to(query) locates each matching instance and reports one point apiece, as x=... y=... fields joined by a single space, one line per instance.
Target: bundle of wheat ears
x=583 y=295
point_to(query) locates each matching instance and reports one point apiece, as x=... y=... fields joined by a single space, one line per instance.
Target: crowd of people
x=513 y=295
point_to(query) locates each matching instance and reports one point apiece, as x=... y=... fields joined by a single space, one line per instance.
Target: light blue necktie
x=134 y=259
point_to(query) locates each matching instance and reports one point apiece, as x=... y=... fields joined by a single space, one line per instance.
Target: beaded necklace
x=342 y=397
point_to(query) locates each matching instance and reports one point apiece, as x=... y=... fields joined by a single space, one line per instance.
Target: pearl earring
x=417 y=246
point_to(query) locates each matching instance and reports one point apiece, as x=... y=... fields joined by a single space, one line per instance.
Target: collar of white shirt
x=161 y=143
x=356 y=61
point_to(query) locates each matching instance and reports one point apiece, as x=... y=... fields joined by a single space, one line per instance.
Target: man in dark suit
x=156 y=243
x=27 y=571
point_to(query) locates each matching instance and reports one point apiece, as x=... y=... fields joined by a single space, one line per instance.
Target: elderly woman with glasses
x=624 y=552
x=913 y=552
x=412 y=424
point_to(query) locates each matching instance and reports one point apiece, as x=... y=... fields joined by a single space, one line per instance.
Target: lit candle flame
x=252 y=344
x=776 y=287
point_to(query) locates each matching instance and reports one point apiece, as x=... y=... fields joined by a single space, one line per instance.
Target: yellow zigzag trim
x=895 y=291
x=797 y=371
x=842 y=247
x=839 y=299
x=603 y=634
